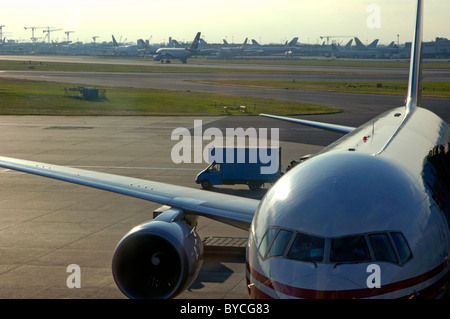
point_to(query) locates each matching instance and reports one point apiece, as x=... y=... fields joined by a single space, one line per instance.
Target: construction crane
x=328 y=37
x=48 y=31
x=67 y=33
x=33 y=38
x=95 y=38
x=1 y=33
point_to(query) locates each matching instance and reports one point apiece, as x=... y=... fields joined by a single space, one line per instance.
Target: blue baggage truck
x=250 y=166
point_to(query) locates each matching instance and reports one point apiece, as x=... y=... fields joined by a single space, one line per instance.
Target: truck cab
x=212 y=175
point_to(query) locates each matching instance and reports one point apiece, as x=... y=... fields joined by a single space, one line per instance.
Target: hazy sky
x=263 y=20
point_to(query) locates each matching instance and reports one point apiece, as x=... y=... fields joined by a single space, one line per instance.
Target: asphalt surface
x=48 y=225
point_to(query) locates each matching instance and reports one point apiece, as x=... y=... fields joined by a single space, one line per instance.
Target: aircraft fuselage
x=357 y=205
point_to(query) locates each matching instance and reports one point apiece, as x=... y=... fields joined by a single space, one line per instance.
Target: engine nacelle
x=158 y=259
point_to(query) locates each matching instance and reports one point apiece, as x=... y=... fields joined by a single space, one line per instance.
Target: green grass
x=430 y=89
x=18 y=97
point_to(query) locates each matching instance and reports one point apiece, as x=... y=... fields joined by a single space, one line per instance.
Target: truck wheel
x=205 y=184
x=254 y=186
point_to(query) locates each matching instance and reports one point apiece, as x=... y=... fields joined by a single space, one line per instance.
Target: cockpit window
x=280 y=243
x=307 y=248
x=290 y=244
x=349 y=249
x=402 y=247
x=265 y=242
x=382 y=248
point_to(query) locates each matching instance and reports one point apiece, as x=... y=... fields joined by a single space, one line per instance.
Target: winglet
x=414 y=96
x=324 y=126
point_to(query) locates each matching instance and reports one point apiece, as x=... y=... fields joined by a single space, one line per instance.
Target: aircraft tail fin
x=196 y=41
x=114 y=41
x=359 y=44
x=414 y=95
x=176 y=44
x=373 y=45
x=142 y=44
x=293 y=42
x=349 y=44
x=334 y=48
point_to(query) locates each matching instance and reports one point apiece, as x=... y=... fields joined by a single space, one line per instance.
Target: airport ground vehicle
x=231 y=166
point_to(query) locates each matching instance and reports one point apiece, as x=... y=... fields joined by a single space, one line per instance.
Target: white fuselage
x=367 y=190
x=172 y=53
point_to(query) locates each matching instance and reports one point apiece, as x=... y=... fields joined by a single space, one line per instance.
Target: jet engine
x=158 y=259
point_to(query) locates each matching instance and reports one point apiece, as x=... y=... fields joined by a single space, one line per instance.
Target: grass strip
x=19 y=97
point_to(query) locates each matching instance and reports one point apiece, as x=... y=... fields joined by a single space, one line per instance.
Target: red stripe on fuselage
x=431 y=291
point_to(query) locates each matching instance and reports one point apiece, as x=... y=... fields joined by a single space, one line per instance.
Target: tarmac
x=47 y=225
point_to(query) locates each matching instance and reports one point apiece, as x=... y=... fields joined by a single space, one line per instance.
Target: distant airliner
x=132 y=49
x=271 y=49
x=367 y=217
x=361 y=46
x=181 y=54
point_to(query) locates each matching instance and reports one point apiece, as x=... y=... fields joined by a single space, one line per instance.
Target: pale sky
x=267 y=21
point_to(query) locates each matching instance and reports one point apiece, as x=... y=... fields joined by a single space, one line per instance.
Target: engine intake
x=157 y=259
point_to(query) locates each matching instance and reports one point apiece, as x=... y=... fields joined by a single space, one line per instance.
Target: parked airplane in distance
x=230 y=51
x=133 y=49
x=367 y=217
x=285 y=49
x=362 y=47
x=362 y=51
x=181 y=54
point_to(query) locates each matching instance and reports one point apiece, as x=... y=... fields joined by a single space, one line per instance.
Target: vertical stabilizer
x=414 y=84
x=293 y=42
x=348 y=46
x=359 y=44
x=196 y=41
x=373 y=45
x=115 y=44
x=414 y=96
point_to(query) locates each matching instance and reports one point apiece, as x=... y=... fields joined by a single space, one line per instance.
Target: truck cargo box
x=251 y=166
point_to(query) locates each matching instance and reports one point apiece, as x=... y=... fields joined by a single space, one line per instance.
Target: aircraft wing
x=325 y=126
x=232 y=210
